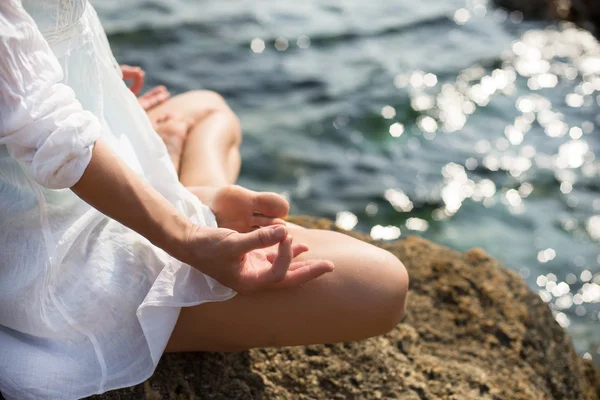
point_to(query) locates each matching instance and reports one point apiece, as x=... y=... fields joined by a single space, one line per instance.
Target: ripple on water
x=451 y=120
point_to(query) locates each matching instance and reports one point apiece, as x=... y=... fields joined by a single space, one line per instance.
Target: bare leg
x=173 y=132
x=209 y=138
x=365 y=296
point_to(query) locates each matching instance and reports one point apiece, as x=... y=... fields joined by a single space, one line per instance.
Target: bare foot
x=241 y=209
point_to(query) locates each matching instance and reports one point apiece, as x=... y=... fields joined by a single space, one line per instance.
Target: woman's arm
x=45 y=128
x=41 y=122
x=111 y=187
x=47 y=131
x=230 y=257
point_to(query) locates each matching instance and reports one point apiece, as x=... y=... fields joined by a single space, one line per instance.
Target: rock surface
x=473 y=331
x=585 y=13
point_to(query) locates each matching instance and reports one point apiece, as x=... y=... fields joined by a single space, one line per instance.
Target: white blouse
x=86 y=305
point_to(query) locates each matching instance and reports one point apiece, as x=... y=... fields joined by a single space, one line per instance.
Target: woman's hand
x=154 y=97
x=245 y=263
x=242 y=209
x=241 y=261
x=150 y=99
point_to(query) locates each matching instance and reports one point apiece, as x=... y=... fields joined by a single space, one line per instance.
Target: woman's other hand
x=150 y=99
x=154 y=97
x=241 y=209
x=135 y=75
x=248 y=262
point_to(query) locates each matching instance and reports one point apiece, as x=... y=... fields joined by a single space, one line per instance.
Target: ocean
x=451 y=120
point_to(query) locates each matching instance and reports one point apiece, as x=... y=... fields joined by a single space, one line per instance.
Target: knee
x=394 y=292
x=206 y=102
x=205 y=99
x=213 y=104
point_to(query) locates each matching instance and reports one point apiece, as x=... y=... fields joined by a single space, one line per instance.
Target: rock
x=585 y=13
x=533 y=9
x=473 y=330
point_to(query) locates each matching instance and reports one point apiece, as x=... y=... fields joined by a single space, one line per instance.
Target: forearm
x=111 y=187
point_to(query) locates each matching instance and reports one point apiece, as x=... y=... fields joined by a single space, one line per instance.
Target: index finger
x=136 y=74
x=129 y=72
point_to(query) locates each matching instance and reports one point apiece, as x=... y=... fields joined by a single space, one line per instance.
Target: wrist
x=174 y=236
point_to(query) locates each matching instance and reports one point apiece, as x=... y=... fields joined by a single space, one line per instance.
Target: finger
x=260 y=220
x=309 y=270
x=156 y=90
x=153 y=98
x=259 y=239
x=300 y=264
x=282 y=262
x=136 y=74
x=162 y=91
x=138 y=81
x=271 y=205
x=147 y=101
x=297 y=249
x=160 y=97
x=144 y=102
x=128 y=71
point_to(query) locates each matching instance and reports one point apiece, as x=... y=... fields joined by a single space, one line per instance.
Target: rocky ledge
x=585 y=13
x=473 y=331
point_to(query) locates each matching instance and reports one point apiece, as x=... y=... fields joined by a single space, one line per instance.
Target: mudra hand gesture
x=151 y=98
x=238 y=254
x=247 y=262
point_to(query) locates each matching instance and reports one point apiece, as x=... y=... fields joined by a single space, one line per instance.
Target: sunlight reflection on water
x=544 y=58
x=398 y=120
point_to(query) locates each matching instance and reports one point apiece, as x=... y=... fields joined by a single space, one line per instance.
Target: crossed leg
x=203 y=138
x=365 y=295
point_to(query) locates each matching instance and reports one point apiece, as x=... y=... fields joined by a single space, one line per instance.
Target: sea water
x=448 y=119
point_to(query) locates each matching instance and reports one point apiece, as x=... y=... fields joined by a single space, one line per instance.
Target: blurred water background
x=442 y=118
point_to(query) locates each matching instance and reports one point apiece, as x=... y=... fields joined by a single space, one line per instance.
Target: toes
x=271 y=205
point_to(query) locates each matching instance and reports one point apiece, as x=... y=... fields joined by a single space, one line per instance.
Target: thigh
x=193 y=105
x=209 y=154
x=363 y=297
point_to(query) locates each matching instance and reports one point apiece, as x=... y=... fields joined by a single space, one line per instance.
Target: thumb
x=261 y=238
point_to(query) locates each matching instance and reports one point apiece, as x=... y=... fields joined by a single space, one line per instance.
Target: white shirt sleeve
x=42 y=124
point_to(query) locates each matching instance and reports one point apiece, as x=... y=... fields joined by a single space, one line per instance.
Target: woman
x=109 y=256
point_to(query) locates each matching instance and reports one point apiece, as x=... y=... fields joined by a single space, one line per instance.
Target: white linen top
x=86 y=305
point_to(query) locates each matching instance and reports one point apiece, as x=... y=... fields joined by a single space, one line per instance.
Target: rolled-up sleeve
x=42 y=124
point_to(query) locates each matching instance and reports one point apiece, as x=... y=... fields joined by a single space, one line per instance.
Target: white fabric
x=86 y=305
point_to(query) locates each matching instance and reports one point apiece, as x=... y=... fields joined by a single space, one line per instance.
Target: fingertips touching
x=261 y=238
